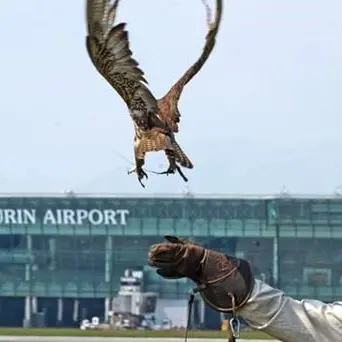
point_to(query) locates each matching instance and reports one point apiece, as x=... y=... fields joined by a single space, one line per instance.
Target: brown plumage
x=155 y=121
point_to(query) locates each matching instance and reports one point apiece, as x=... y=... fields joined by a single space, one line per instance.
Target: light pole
x=274 y=215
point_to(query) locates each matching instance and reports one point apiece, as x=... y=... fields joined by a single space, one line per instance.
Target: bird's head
x=141 y=119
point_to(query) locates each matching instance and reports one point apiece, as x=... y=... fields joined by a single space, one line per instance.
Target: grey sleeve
x=289 y=320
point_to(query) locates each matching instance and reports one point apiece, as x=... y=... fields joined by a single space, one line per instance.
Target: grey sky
x=264 y=112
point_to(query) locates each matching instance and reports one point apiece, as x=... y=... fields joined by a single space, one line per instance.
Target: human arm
x=289 y=320
x=261 y=306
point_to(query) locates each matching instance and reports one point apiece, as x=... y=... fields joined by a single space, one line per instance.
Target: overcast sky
x=264 y=112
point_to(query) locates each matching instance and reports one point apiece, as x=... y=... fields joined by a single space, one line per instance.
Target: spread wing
x=172 y=97
x=109 y=50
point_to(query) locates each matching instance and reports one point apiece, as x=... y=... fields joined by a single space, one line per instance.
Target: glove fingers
x=174 y=239
x=169 y=273
x=159 y=264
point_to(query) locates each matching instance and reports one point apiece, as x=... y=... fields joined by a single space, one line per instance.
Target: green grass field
x=124 y=333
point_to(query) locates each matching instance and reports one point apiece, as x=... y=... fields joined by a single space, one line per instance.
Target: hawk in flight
x=155 y=121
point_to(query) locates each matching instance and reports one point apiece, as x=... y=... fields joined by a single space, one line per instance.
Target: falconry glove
x=216 y=275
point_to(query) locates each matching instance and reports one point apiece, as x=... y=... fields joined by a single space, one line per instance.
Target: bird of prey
x=155 y=121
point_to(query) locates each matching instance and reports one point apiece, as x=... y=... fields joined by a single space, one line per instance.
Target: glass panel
x=286 y=231
x=166 y=226
x=217 y=227
x=13 y=260
x=200 y=227
x=134 y=227
x=321 y=231
x=183 y=227
x=117 y=230
x=310 y=262
x=68 y=250
x=252 y=228
x=235 y=228
x=336 y=232
x=63 y=262
x=149 y=227
x=304 y=232
x=259 y=251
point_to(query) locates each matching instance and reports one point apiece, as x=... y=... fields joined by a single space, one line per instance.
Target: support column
x=52 y=253
x=27 y=318
x=59 y=311
x=273 y=217
x=108 y=274
x=276 y=260
x=112 y=304
x=28 y=270
x=75 y=313
x=106 y=308
x=108 y=259
x=34 y=304
x=202 y=313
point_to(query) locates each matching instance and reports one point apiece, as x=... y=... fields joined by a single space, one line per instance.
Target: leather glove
x=164 y=262
x=216 y=274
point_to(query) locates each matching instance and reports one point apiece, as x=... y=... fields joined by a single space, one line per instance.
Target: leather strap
x=190 y=305
x=233 y=328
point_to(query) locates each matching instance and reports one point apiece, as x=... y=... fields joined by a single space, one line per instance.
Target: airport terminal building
x=56 y=251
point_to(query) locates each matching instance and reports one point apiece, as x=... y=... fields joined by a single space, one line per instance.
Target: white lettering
x=81 y=214
x=29 y=216
x=49 y=217
x=123 y=216
x=95 y=217
x=109 y=216
x=19 y=219
x=65 y=216
x=10 y=216
x=59 y=218
x=68 y=217
x=17 y=216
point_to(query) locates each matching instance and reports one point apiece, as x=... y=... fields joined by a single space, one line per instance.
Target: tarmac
x=106 y=339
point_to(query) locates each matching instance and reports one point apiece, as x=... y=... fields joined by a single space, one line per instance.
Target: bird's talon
x=141 y=183
x=141 y=174
x=172 y=170
x=181 y=174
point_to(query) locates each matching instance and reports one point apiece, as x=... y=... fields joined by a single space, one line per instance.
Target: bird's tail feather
x=181 y=157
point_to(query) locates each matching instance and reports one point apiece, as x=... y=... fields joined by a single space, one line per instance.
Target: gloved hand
x=167 y=256
x=217 y=274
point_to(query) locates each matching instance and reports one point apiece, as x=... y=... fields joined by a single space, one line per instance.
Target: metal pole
x=108 y=272
x=276 y=257
x=108 y=258
x=28 y=269
x=272 y=212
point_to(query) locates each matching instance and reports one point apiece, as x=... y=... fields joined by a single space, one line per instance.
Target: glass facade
x=79 y=247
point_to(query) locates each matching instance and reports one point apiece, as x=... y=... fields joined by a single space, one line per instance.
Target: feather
x=170 y=101
x=155 y=122
x=109 y=50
